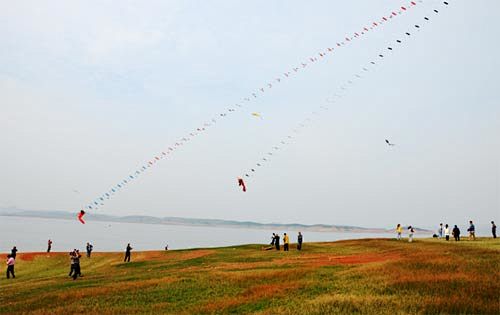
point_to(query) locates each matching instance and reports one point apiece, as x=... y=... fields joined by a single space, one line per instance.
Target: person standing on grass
x=299 y=241
x=493 y=229
x=72 y=260
x=75 y=264
x=447 y=232
x=77 y=272
x=399 y=231
x=89 y=248
x=273 y=239
x=13 y=252
x=11 y=261
x=277 y=241
x=49 y=245
x=410 y=236
x=127 y=253
x=440 y=230
x=456 y=233
x=286 y=241
x=472 y=231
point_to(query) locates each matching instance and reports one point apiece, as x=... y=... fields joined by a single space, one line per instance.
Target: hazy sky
x=91 y=90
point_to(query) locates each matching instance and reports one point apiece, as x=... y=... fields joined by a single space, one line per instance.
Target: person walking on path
x=11 y=261
x=456 y=233
x=13 y=252
x=299 y=241
x=49 y=245
x=286 y=242
x=447 y=232
x=277 y=241
x=440 y=230
x=472 y=231
x=127 y=253
x=410 y=236
x=89 y=248
x=493 y=229
x=399 y=231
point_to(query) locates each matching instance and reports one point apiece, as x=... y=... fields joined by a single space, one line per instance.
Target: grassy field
x=374 y=276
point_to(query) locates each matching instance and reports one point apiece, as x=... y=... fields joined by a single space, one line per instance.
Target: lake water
x=31 y=234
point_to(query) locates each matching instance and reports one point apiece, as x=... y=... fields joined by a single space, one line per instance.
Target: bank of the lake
x=368 y=276
x=31 y=234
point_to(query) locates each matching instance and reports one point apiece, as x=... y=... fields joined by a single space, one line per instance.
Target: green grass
x=372 y=276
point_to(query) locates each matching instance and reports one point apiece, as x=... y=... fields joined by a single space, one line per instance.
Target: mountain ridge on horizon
x=146 y=219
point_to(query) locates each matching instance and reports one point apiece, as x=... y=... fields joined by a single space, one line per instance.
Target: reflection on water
x=31 y=234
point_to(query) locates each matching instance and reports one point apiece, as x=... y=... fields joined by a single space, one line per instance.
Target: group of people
x=275 y=242
x=399 y=231
x=446 y=231
x=75 y=270
x=455 y=232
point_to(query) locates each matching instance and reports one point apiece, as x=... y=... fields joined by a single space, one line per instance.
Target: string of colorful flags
x=288 y=139
x=328 y=51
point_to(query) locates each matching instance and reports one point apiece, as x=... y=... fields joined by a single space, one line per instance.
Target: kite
x=80 y=216
x=290 y=72
x=257 y=115
x=254 y=170
x=242 y=184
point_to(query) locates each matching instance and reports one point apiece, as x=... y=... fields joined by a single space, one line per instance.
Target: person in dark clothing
x=11 y=261
x=472 y=231
x=76 y=265
x=277 y=242
x=72 y=259
x=456 y=233
x=127 y=253
x=49 y=245
x=493 y=229
x=299 y=241
x=273 y=239
x=73 y=272
x=89 y=249
x=13 y=252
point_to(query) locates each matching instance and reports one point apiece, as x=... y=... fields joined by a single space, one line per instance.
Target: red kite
x=80 y=216
x=242 y=183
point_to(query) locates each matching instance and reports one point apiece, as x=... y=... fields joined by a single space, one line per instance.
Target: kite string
x=99 y=201
x=356 y=77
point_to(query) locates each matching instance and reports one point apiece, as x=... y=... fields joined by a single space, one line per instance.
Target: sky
x=92 y=90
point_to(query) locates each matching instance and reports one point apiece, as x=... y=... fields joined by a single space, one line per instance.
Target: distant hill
x=194 y=222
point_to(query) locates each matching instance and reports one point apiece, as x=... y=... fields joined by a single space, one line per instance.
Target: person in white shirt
x=10 y=266
x=447 y=232
x=410 y=235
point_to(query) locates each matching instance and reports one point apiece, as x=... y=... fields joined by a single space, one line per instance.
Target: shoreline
x=216 y=223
